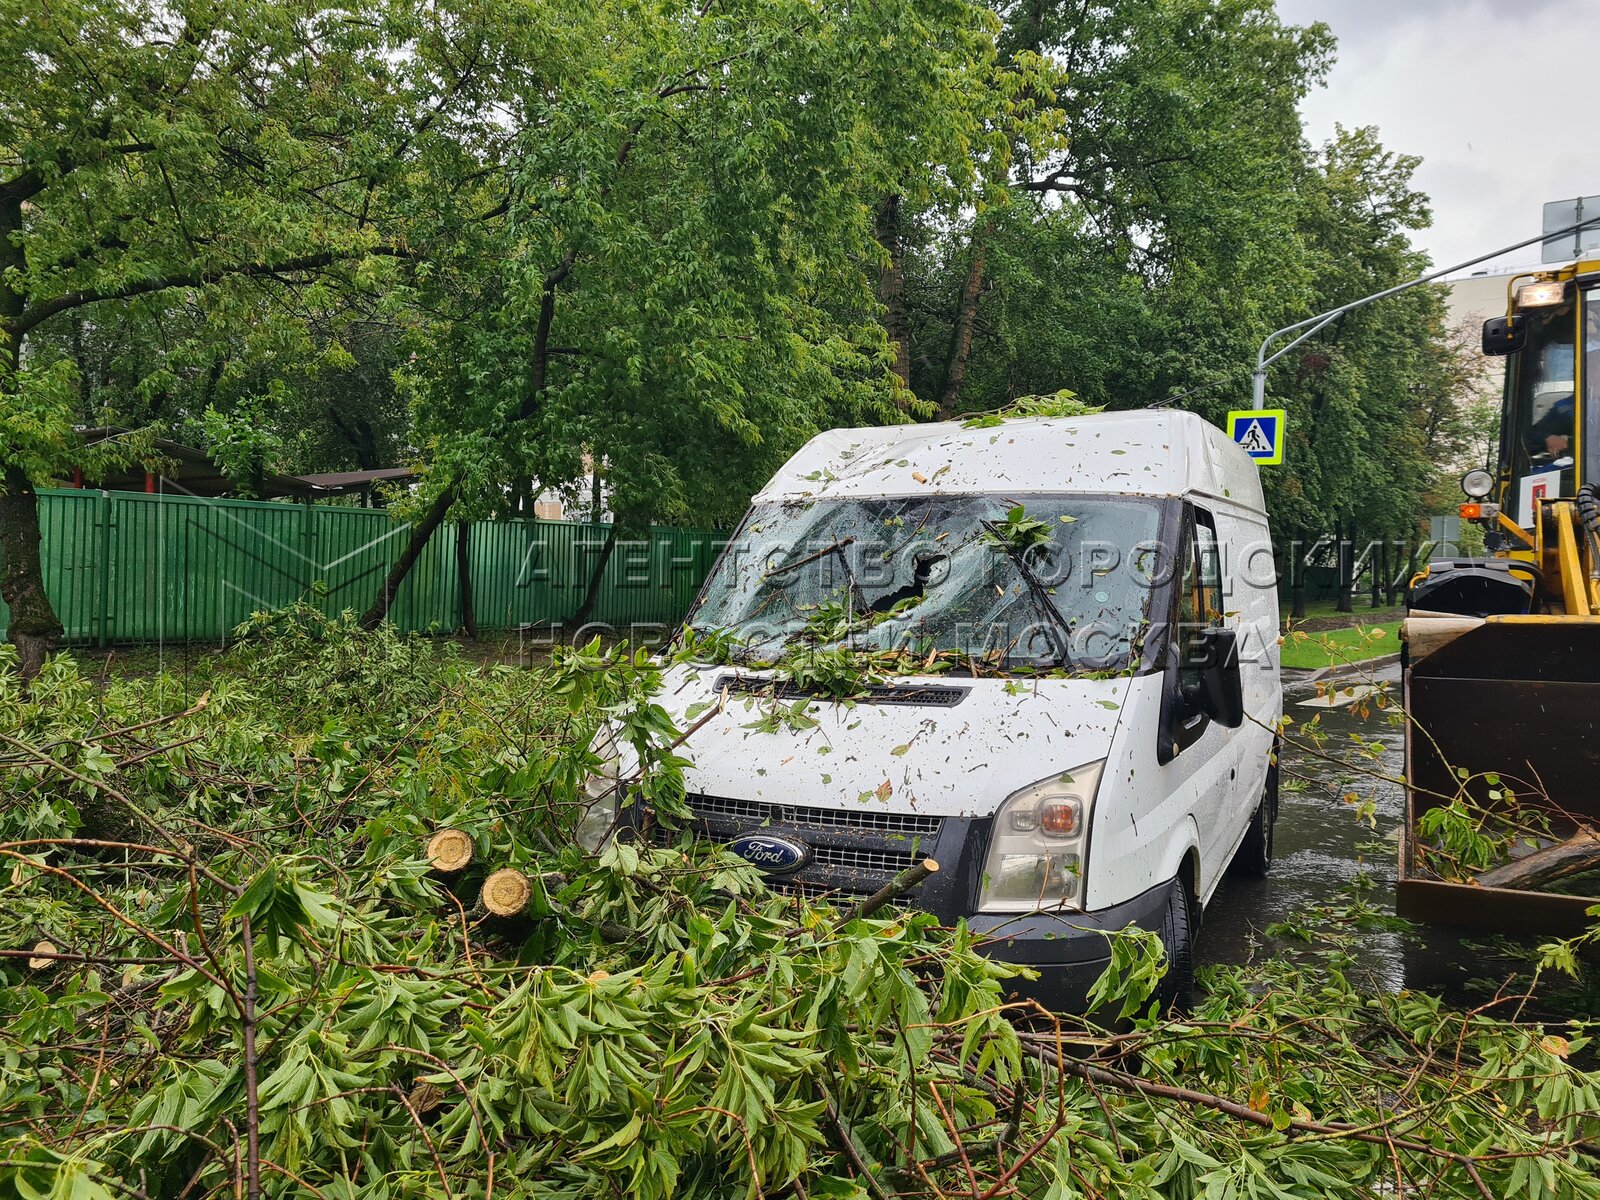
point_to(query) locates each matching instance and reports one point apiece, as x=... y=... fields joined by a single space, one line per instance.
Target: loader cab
x=1550 y=430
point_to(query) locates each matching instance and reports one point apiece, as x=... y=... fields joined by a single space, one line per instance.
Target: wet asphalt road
x=1321 y=848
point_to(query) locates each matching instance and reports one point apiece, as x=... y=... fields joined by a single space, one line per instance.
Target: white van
x=1074 y=623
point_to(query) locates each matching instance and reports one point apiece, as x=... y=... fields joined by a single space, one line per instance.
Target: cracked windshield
x=1062 y=582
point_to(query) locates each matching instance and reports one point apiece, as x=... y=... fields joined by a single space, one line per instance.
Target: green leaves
x=663 y=1025
x=42 y=1174
x=281 y=907
x=1018 y=530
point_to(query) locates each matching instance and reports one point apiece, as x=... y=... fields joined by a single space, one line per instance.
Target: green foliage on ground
x=257 y=986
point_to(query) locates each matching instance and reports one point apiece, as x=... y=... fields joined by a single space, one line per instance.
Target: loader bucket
x=1518 y=696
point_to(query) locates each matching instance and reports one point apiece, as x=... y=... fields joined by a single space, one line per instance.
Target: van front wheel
x=1254 y=858
x=1177 y=937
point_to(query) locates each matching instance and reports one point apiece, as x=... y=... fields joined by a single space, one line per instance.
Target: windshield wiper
x=1061 y=628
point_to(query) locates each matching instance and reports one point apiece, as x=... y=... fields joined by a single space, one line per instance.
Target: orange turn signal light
x=1060 y=817
x=1472 y=512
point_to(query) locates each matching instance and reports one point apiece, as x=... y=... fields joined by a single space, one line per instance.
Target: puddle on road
x=1344 y=697
x=1321 y=848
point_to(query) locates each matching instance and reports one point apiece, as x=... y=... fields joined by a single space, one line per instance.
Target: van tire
x=1254 y=857
x=1177 y=936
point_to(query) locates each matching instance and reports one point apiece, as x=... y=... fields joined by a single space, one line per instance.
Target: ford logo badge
x=774 y=855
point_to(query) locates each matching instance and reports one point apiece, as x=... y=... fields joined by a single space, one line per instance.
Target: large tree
x=1376 y=399
x=225 y=152
x=1137 y=256
x=1183 y=219
x=687 y=282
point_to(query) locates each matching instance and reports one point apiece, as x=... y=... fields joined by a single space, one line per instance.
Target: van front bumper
x=1069 y=950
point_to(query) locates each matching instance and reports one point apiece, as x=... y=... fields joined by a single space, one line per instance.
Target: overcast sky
x=1493 y=96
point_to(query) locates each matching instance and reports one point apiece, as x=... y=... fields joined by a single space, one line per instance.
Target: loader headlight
x=1038 y=844
x=603 y=792
x=1477 y=484
x=1542 y=294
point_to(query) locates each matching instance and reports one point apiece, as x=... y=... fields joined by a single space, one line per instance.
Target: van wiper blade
x=1060 y=627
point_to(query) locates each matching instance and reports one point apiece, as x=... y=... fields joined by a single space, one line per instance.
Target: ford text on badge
x=775 y=855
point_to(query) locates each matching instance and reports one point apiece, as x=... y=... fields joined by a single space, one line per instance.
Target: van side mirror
x=1220 y=689
x=1505 y=335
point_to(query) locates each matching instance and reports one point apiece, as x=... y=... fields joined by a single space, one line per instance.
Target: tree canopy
x=224 y=172
x=517 y=244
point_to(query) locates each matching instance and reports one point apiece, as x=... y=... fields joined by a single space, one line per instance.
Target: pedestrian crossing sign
x=1259 y=433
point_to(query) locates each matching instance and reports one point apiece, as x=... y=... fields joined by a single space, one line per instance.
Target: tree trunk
x=1380 y=569
x=1297 y=581
x=469 y=617
x=35 y=630
x=955 y=372
x=1579 y=853
x=1399 y=578
x=591 y=593
x=892 y=287
x=421 y=532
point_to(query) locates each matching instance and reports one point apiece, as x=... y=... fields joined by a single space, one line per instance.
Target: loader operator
x=1550 y=438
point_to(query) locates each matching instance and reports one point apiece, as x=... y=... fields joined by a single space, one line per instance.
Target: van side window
x=1200 y=603
x=1210 y=563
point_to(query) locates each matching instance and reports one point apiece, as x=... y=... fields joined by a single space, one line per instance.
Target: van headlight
x=1038 y=844
x=603 y=792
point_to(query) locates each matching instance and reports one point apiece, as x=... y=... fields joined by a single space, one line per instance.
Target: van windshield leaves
x=1060 y=582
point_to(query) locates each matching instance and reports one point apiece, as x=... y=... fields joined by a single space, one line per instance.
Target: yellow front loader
x=1502 y=653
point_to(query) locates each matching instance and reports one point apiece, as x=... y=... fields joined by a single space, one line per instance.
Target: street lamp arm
x=1321 y=320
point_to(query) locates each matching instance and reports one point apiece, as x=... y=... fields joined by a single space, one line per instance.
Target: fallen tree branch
x=898 y=886
x=852 y=1150
x=1122 y=1081
x=1579 y=853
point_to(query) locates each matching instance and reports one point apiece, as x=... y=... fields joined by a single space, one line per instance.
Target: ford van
x=1041 y=652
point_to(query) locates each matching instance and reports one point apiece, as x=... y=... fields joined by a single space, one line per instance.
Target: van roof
x=1141 y=452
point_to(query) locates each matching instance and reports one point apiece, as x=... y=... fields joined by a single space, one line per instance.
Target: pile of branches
x=229 y=968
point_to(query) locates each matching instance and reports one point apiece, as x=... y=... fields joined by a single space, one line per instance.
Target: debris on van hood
x=946 y=746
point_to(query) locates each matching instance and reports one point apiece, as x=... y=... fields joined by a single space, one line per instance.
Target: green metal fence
x=125 y=567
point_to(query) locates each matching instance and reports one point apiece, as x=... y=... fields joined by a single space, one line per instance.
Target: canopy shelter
x=345 y=483
x=192 y=472
x=187 y=471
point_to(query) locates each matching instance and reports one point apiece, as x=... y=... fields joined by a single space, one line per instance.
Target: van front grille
x=854 y=851
x=861 y=818
x=878 y=862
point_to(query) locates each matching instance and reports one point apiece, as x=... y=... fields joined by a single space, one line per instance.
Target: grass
x=1325 y=614
x=1335 y=647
